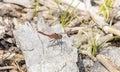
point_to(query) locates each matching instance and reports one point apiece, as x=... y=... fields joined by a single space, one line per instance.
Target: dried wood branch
x=107 y=63
x=7 y=67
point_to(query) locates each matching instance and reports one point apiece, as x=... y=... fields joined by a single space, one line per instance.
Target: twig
x=107 y=63
x=7 y=67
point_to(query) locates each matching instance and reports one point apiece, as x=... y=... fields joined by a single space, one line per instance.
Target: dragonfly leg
x=55 y=42
x=61 y=44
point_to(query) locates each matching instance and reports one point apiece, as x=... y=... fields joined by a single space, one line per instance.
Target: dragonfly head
x=59 y=36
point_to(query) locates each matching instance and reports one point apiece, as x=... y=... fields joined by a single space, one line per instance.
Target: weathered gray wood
x=40 y=54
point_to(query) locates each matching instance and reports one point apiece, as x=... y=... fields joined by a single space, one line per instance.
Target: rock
x=9 y=40
x=2 y=31
x=56 y=60
x=40 y=54
x=117 y=25
x=97 y=67
x=88 y=64
x=113 y=53
x=107 y=63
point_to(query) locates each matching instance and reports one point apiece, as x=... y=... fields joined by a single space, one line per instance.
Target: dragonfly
x=54 y=36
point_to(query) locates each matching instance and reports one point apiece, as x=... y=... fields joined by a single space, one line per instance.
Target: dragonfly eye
x=60 y=36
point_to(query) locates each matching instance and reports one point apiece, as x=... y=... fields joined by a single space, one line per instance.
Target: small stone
x=9 y=40
x=117 y=25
